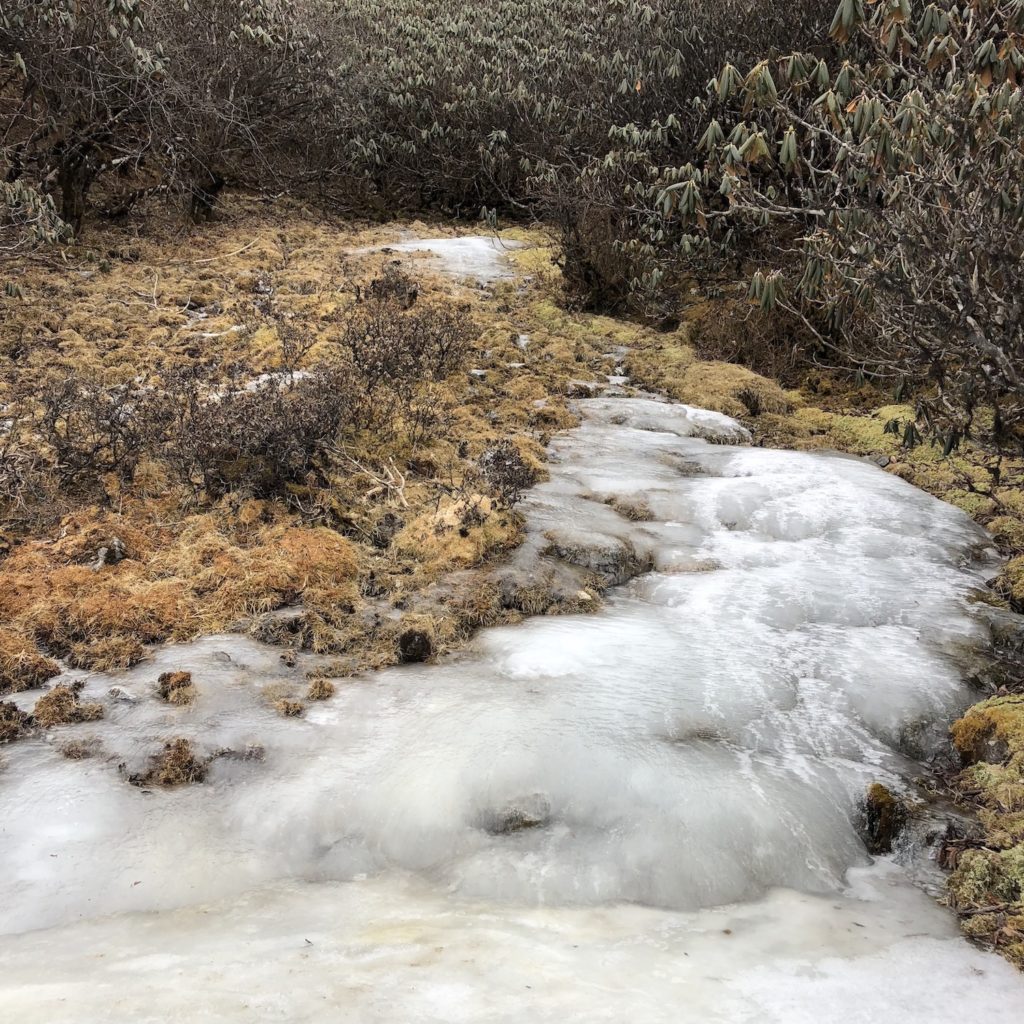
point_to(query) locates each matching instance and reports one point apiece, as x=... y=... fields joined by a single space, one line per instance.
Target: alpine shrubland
x=804 y=214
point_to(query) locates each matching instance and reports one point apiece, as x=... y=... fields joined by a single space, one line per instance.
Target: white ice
x=482 y=258
x=648 y=813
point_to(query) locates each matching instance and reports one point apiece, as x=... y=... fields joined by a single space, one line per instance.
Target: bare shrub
x=506 y=473
x=260 y=438
x=89 y=429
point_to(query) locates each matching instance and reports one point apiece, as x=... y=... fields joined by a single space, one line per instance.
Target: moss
x=884 y=818
x=1010 y=583
x=62 y=706
x=986 y=877
x=987 y=884
x=992 y=731
x=669 y=364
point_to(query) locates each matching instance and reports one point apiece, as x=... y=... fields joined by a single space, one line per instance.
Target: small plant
x=176 y=688
x=62 y=706
x=507 y=474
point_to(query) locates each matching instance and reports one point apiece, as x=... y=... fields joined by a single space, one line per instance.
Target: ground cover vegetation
x=811 y=215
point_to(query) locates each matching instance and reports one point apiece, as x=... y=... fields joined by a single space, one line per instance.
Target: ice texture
x=480 y=258
x=647 y=813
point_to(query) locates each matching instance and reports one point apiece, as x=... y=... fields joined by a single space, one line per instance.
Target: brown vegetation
x=62 y=705
x=175 y=765
x=320 y=689
x=176 y=687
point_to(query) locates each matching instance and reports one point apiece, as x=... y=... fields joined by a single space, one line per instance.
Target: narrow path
x=647 y=813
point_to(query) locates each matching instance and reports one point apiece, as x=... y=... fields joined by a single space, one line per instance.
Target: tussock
x=320 y=689
x=62 y=706
x=176 y=687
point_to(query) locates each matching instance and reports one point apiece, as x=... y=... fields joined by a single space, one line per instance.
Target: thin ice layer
x=704 y=739
x=707 y=736
x=397 y=949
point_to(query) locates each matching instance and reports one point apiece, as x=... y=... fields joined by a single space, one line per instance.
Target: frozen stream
x=645 y=814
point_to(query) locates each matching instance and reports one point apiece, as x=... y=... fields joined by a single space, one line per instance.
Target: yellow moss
x=992 y=730
x=1011 y=581
x=730 y=389
x=459 y=534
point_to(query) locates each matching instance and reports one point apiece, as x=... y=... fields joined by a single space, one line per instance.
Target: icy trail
x=644 y=814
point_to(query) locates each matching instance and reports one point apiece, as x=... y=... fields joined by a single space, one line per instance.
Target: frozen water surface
x=482 y=258
x=648 y=813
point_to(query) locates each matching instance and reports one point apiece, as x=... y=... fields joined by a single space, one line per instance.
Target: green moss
x=992 y=731
x=987 y=877
x=884 y=818
x=1011 y=582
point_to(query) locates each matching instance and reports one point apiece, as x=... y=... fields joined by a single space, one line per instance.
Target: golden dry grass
x=177 y=764
x=62 y=706
x=150 y=297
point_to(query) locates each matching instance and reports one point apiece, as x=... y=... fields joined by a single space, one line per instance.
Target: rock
x=414 y=645
x=885 y=817
x=113 y=553
x=119 y=694
x=532 y=811
x=478 y=374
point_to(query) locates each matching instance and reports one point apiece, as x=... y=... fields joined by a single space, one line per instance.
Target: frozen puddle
x=644 y=814
x=482 y=258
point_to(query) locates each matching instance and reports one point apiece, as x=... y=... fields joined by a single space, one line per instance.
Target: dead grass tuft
x=62 y=706
x=14 y=723
x=79 y=750
x=22 y=667
x=177 y=687
x=636 y=510
x=320 y=689
x=176 y=765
